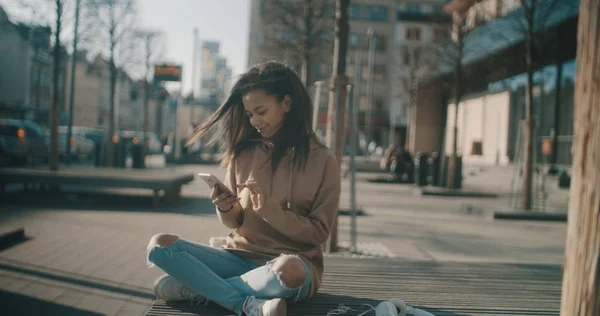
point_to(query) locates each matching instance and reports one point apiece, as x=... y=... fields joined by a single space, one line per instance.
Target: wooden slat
x=442 y=288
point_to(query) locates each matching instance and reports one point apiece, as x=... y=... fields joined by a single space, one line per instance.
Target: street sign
x=166 y=72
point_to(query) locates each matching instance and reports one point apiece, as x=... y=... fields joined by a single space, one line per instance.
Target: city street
x=86 y=249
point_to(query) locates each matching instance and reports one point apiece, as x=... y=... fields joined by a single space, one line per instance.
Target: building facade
x=26 y=77
x=405 y=32
x=421 y=25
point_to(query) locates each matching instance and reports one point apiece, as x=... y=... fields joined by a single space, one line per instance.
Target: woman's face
x=265 y=112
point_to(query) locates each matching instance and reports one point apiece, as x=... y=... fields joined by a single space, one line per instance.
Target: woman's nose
x=254 y=122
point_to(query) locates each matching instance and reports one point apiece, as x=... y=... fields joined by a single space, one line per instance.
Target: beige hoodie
x=298 y=212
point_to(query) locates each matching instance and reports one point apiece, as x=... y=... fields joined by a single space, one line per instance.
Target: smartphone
x=213 y=181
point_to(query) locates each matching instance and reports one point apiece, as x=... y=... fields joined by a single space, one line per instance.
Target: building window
x=440 y=35
x=354 y=12
x=477 y=148
x=376 y=13
x=412 y=8
x=379 y=41
x=261 y=7
x=406 y=56
x=287 y=35
x=437 y=9
x=353 y=40
x=413 y=33
x=260 y=39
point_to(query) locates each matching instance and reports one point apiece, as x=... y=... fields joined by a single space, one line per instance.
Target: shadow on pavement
x=75 y=279
x=103 y=200
x=16 y=304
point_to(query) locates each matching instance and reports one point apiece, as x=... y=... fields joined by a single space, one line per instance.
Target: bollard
x=420 y=169
x=137 y=156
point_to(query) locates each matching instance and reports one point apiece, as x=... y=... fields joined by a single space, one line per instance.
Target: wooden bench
x=442 y=288
x=165 y=181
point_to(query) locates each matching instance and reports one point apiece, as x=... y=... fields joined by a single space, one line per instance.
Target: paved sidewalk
x=86 y=252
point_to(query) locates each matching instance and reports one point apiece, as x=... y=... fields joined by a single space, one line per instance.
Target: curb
x=455 y=193
x=531 y=216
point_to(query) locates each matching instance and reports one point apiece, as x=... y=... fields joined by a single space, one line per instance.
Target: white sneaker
x=261 y=307
x=169 y=289
x=397 y=307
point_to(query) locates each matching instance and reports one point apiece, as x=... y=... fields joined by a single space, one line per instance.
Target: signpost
x=171 y=72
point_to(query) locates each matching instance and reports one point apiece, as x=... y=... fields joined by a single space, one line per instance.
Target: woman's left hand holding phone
x=224 y=200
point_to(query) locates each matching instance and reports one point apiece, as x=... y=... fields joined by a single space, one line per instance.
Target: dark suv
x=22 y=142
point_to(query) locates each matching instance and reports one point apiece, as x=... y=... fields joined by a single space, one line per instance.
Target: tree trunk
x=146 y=116
x=581 y=278
x=336 y=111
x=306 y=47
x=54 y=111
x=110 y=149
x=452 y=172
x=528 y=133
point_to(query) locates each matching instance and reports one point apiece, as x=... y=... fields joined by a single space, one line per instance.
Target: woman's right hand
x=223 y=201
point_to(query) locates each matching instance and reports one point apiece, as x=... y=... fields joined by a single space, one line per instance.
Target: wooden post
x=581 y=279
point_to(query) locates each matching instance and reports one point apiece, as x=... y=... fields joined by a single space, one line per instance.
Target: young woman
x=284 y=188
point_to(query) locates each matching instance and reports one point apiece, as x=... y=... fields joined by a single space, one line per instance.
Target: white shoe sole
x=275 y=307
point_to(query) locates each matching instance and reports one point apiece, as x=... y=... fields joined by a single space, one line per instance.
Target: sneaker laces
x=253 y=305
x=343 y=309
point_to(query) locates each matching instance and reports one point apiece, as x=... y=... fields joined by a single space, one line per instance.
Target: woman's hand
x=224 y=201
x=257 y=195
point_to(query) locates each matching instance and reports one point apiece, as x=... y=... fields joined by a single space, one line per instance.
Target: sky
x=226 y=21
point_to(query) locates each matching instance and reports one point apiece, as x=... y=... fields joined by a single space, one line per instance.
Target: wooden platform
x=442 y=288
x=157 y=180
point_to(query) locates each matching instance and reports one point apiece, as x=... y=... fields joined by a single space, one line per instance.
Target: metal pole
x=117 y=102
x=194 y=70
x=72 y=86
x=353 y=122
x=176 y=141
x=371 y=34
x=351 y=106
x=315 y=118
x=334 y=140
x=31 y=54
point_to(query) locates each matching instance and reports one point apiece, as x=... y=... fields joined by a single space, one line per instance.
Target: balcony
x=426 y=17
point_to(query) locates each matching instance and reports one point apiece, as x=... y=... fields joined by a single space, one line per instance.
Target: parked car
x=135 y=137
x=22 y=142
x=82 y=148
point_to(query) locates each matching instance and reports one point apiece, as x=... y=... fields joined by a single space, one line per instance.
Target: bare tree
x=531 y=24
x=297 y=30
x=450 y=58
x=40 y=11
x=151 y=46
x=114 y=20
x=417 y=60
x=55 y=106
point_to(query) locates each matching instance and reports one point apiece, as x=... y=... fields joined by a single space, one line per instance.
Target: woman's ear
x=287 y=103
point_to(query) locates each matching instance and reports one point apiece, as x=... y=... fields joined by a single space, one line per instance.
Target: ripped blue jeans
x=223 y=277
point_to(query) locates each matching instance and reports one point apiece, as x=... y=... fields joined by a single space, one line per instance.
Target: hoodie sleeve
x=233 y=218
x=316 y=226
